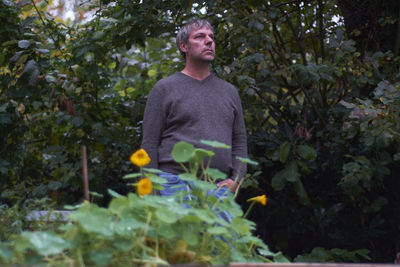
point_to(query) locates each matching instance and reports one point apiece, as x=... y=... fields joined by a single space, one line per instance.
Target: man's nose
x=209 y=40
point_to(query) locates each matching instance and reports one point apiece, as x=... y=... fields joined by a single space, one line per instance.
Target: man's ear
x=183 y=46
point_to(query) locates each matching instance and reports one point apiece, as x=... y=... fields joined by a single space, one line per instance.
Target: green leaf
x=244 y=79
x=113 y=193
x=247 y=160
x=132 y=175
x=240 y=226
x=215 y=173
x=156 y=179
x=165 y=215
x=94 y=219
x=42 y=51
x=77 y=121
x=24 y=44
x=257 y=25
x=363 y=253
x=236 y=256
x=37 y=105
x=54 y=185
x=16 y=56
x=191 y=218
x=301 y=192
x=291 y=172
x=278 y=180
x=284 y=151
x=182 y=152
x=46 y=243
x=174 y=207
x=217 y=230
x=5 y=119
x=100 y=257
x=377 y=205
x=202 y=185
x=5 y=105
x=98 y=35
x=126 y=226
x=351 y=167
x=279 y=257
x=200 y=154
x=8 y=43
x=118 y=204
x=167 y=231
x=265 y=252
x=207 y=216
x=152 y=73
x=187 y=177
x=5 y=252
x=32 y=69
x=95 y=194
x=189 y=236
x=215 y=144
x=306 y=152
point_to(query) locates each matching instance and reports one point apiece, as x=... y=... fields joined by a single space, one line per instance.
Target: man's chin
x=208 y=58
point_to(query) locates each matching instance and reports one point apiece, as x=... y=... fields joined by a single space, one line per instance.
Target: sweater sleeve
x=239 y=142
x=153 y=124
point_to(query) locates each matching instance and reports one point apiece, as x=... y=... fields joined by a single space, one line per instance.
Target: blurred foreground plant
x=145 y=229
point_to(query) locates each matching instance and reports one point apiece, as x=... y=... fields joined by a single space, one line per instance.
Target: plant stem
x=183 y=166
x=248 y=210
x=81 y=262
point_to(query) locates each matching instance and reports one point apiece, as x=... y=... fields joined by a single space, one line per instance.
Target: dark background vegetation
x=319 y=86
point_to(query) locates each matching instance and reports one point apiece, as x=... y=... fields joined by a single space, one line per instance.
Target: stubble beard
x=203 y=59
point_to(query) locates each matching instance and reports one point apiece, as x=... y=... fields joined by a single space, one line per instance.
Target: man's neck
x=200 y=72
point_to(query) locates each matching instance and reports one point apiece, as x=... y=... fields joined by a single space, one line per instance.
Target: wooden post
x=85 y=174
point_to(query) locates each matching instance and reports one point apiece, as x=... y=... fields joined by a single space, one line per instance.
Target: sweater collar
x=194 y=79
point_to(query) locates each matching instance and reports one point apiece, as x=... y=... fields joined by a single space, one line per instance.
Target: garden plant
x=150 y=230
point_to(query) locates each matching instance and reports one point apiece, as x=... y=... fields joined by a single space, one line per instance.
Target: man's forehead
x=195 y=29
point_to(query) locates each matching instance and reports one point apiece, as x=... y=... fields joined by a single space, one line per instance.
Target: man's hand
x=231 y=184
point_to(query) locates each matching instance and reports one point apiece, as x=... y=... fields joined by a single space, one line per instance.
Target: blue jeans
x=175 y=184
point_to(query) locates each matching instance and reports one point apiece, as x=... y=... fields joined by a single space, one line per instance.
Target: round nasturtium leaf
x=200 y=154
x=182 y=152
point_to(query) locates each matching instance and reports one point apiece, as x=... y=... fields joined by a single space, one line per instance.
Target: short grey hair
x=184 y=32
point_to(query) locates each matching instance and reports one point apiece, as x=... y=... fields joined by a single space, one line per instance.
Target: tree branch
x=299 y=41
x=44 y=24
x=321 y=28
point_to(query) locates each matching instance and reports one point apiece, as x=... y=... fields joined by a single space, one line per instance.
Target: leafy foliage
x=151 y=229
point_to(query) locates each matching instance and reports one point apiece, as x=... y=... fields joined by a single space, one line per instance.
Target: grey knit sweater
x=181 y=108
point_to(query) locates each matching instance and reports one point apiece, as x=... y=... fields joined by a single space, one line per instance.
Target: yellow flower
x=144 y=187
x=140 y=158
x=260 y=199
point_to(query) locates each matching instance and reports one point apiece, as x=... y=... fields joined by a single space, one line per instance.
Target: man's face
x=200 y=45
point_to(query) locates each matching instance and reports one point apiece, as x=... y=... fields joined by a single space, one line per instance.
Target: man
x=192 y=105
